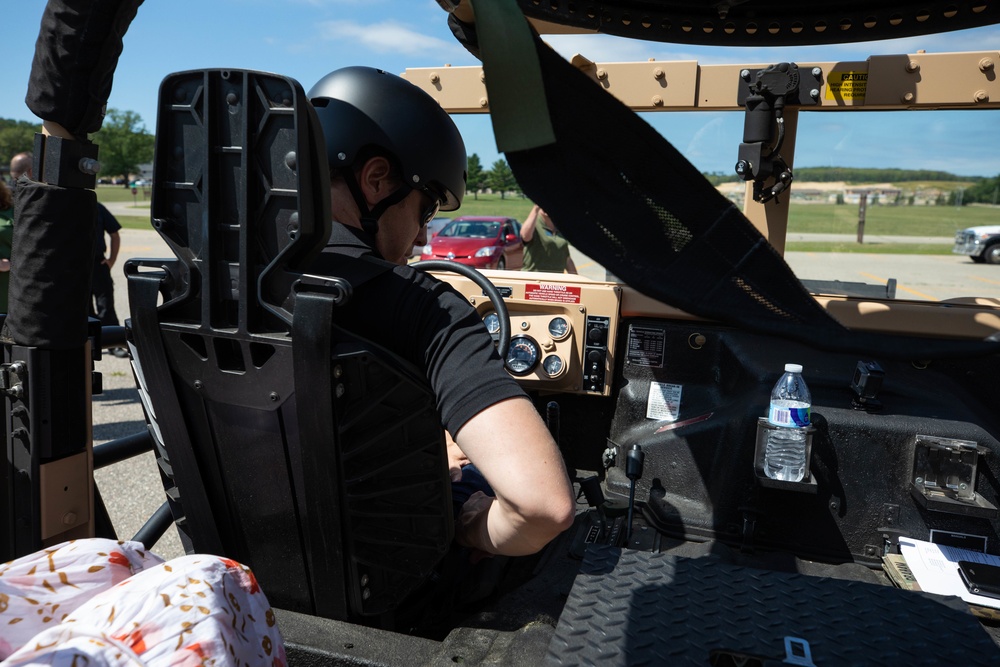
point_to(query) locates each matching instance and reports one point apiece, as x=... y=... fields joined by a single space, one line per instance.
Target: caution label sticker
x=551 y=292
x=846 y=85
x=664 y=401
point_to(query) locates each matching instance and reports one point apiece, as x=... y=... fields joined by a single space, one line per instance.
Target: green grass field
x=941 y=221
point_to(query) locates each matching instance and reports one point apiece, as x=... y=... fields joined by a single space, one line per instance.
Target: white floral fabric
x=99 y=602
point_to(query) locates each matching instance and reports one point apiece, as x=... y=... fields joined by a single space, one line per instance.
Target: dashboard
x=563 y=328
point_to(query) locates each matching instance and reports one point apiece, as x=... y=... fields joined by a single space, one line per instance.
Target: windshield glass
x=477 y=229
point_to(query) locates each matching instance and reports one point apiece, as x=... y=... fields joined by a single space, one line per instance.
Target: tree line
x=125 y=144
x=123 y=140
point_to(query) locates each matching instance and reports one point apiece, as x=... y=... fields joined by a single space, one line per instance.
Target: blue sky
x=305 y=39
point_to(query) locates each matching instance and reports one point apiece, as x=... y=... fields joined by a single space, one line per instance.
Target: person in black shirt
x=396 y=158
x=102 y=286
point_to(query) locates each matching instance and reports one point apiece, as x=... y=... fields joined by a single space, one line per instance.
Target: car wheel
x=501 y=264
x=992 y=254
x=978 y=259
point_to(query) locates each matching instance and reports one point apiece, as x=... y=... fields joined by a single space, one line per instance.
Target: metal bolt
x=912 y=66
x=814 y=93
x=657 y=101
x=435 y=78
x=745 y=74
x=340 y=390
x=908 y=97
x=919 y=480
x=198 y=384
x=985 y=64
x=963 y=486
x=482 y=77
x=483 y=102
x=338 y=371
x=817 y=72
x=364 y=579
x=89 y=166
x=602 y=74
x=658 y=73
x=290 y=160
x=274 y=396
x=341 y=156
x=365 y=594
x=981 y=96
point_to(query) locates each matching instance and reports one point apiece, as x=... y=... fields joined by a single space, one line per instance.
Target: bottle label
x=785 y=416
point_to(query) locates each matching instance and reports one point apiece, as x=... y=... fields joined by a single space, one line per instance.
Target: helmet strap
x=370 y=217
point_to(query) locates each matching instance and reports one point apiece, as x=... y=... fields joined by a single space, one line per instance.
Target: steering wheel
x=488 y=289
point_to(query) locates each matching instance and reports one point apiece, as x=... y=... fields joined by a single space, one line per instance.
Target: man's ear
x=376 y=180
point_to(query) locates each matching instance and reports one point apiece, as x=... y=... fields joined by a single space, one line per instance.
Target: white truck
x=981 y=244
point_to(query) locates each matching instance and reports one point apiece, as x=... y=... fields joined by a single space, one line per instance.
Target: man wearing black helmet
x=396 y=158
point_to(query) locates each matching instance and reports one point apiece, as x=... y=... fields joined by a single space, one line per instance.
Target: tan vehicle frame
x=920 y=81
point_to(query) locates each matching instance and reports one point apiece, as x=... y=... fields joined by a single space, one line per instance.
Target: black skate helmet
x=362 y=107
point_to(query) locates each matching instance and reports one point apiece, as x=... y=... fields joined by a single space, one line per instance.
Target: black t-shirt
x=423 y=320
x=106 y=223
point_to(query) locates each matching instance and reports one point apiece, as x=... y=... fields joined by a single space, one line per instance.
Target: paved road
x=132 y=490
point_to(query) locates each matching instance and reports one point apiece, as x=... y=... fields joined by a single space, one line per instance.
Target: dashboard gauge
x=553 y=365
x=522 y=357
x=492 y=322
x=558 y=328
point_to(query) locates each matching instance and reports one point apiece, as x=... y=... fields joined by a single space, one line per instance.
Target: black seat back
x=272 y=449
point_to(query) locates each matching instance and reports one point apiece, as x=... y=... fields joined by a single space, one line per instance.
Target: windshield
x=473 y=229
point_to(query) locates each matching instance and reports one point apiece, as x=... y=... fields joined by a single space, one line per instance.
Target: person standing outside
x=102 y=286
x=6 y=240
x=396 y=158
x=20 y=165
x=545 y=249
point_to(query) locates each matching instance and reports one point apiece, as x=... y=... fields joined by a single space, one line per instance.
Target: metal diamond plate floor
x=640 y=608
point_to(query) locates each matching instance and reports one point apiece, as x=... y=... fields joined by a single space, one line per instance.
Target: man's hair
x=21 y=164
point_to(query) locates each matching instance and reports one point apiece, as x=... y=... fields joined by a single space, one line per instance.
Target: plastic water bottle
x=785 y=450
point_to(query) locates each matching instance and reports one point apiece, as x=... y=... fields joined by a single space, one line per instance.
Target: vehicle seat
x=272 y=450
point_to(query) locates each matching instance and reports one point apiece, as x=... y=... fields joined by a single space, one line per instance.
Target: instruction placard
x=664 y=401
x=645 y=346
x=846 y=86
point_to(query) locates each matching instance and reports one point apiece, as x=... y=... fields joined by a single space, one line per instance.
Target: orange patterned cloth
x=101 y=602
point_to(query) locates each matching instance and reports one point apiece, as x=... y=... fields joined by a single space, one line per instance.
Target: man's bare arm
x=528 y=228
x=512 y=448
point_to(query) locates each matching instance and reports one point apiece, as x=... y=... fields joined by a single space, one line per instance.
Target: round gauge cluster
x=524 y=353
x=492 y=322
x=522 y=357
x=559 y=328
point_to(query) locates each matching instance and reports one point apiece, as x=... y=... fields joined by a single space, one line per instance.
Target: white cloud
x=384 y=37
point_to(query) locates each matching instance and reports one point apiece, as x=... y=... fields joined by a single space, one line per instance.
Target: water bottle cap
x=793 y=368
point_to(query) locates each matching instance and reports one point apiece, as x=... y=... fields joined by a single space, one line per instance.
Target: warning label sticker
x=664 y=401
x=846 y=85
x=551 y=292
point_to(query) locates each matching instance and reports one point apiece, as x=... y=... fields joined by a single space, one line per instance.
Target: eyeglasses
x=431 y=209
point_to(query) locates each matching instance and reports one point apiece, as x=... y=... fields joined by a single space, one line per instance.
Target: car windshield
x=476 y=229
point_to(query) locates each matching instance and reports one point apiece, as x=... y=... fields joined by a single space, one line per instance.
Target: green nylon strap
x=518 y=106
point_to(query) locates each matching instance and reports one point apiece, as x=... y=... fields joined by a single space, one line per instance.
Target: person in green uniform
x=6 y=235
x=545 y=249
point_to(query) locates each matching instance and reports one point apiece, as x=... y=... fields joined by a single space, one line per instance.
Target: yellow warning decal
x=846 y=85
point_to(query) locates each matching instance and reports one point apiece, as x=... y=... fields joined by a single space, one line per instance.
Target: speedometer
x=522 y=356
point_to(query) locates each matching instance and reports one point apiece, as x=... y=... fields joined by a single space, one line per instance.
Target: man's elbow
x=550 y=521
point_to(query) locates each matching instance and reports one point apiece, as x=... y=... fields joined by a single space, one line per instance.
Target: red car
x=479 y=241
